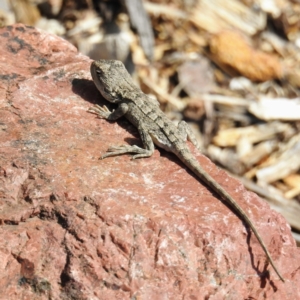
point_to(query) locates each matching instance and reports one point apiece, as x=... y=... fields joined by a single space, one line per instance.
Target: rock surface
x=75 y=227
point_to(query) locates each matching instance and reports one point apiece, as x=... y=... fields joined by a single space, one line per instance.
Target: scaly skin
x=116 y=86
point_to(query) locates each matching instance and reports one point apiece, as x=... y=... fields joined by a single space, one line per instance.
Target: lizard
x=116 y=85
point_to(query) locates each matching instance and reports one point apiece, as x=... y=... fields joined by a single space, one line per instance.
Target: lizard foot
x=101 y=111
x=123 y=149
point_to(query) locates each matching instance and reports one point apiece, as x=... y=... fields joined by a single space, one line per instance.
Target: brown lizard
x=116 y=86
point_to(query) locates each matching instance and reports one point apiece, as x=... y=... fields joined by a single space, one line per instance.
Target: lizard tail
x=194 y=166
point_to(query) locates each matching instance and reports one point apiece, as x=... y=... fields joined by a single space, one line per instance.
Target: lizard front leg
x=141 y=152
x=105 y=113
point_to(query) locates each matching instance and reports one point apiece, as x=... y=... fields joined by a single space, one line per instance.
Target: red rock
x=76 y=227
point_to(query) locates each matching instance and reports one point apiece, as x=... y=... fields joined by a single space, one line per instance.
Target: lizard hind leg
x=187 y=133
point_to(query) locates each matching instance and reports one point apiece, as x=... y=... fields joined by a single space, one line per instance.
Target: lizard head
x=107 y=76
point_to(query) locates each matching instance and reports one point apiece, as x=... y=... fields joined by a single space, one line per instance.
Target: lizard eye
x=99 y=72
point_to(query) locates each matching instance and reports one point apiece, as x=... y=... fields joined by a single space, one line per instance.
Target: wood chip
x=276 y=109
x=287 y=163
x=231 y=48
x=255 y=134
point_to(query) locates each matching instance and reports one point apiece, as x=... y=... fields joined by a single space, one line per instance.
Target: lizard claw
x=101 y=111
